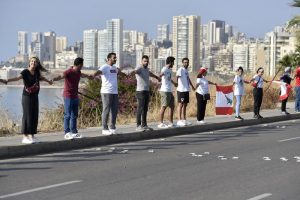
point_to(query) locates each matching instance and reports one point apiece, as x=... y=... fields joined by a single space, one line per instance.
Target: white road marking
x=262 y=196
x=39 y=188
x=289 y=139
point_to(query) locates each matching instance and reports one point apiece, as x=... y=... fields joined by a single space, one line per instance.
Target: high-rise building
x=187 y=40
x=228 y=31
x=241 y=56
x=115 y=38
x=49 y=48
x=132 y=38
x=279 y=43
x=37 y=37
x=102 y=46
x=90 y=45
x=204 y=33
x=216 y=32
x=36 y=46
x=61 y=44
x=152 y=52
x=22 y=43
x=163 y=31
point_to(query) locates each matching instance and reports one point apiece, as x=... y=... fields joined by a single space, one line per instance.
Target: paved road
x=249 y=163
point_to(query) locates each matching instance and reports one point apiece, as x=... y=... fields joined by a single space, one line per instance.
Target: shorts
x=167 y=99
x=183 y=97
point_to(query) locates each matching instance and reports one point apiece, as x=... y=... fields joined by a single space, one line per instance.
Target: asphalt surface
x=248 y=163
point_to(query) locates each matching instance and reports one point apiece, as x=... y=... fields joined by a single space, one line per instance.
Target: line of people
x=109 y=94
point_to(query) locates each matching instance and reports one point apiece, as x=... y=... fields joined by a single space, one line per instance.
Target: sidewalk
x=53 y=142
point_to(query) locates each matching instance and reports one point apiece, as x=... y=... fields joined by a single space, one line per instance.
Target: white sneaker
x=113 y=131
x=35 y=140
x=106 y=132
x=77 y=135
x=68 y=136
x=162 y=125
x=171 y=125
x=181 y=123
x=201 y=122
x=188 y=123
x=26 y=140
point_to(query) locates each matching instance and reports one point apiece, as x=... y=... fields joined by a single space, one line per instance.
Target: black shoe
x=260 y=117
x=285 y=113
x=147 y=128
x=238 y=118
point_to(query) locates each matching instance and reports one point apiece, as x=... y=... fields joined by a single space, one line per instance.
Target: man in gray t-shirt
x=143 y=75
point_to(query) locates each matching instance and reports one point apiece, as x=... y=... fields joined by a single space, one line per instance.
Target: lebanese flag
x=224 y=100
x=285 y=89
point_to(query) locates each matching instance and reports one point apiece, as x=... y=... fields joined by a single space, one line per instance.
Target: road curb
x=64 y=145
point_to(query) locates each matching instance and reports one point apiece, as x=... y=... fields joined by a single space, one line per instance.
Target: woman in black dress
x=30 y=101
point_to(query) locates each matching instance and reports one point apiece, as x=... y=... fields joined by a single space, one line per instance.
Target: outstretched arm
x=191 y=84
x=14 y=79
x=97 y=73
x=212 y=83
x=154 y=76
x=50 y=82
x=90 y=77
x=59 y=77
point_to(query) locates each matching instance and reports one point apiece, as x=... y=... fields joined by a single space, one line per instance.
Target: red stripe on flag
x=224 y=110
x=224 y=89
x=288 y=91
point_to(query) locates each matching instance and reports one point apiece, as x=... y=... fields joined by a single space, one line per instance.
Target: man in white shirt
x=109 y=93
x=166 y=93
x=183 y=90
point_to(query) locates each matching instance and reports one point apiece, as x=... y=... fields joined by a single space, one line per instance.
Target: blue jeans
x=70 y=115
x=297 y=99
x=238 y=104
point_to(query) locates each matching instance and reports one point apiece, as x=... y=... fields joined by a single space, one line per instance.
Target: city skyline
x=254 y=18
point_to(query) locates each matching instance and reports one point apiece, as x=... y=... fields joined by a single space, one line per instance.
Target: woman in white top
x=202 y=94
x=238 y=84
x=257 y=82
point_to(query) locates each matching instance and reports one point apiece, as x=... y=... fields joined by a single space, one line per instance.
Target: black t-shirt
x=286 y=78
x=29 y=80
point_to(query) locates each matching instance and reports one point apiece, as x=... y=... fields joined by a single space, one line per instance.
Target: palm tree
x=296 y=3
x=296 y=19
x=286 y=61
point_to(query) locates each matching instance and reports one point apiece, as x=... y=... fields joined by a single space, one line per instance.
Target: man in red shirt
x=297 y=89
x=71 y=102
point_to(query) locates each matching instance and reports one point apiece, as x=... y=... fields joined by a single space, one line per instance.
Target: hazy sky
x=70 y=17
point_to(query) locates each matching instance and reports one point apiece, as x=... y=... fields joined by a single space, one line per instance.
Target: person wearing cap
x=202 y=94
x=238 y=91
x=257 y=82
x=183 y=90
x=297 y=89
x=286 y=78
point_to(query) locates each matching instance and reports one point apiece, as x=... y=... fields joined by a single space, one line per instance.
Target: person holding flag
x=238 y=92
x=202 y=94
x=257 y=82
x=285 y=78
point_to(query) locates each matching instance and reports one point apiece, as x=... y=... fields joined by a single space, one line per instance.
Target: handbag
x=34 y=88
x=255 y=84
x=206 y=97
